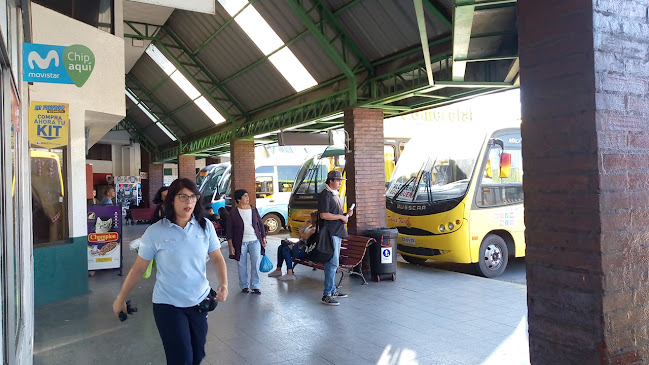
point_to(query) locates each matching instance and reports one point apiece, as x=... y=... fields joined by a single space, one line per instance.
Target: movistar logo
x=34 y=57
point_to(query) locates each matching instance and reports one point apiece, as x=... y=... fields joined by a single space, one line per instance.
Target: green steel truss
x=139 y=136
x=144 y=96
x=397 y=92
x=191 y=67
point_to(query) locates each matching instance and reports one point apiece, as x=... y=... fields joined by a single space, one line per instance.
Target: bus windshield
x=313 y=173
x=211 y=180
x=436 y=167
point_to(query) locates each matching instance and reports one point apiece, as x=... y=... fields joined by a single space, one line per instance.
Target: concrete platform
x=427 y=316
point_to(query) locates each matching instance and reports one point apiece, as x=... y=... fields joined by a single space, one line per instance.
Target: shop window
x=101 y=152
x=97 y=13
x=49 y=203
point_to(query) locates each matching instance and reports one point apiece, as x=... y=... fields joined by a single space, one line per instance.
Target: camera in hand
x=130 y=309
x=209 y=303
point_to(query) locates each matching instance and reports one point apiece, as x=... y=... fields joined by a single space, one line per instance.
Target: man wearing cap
x=330 y=209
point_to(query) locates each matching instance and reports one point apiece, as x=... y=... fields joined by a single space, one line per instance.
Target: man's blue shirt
x=180 y=256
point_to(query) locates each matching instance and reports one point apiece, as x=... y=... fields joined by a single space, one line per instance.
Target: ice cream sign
x=57 y=64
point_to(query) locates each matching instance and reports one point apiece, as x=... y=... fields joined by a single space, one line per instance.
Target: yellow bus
x=457 y=196
x=313 y=173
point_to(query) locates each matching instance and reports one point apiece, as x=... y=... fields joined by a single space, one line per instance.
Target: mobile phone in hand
x=352 y=207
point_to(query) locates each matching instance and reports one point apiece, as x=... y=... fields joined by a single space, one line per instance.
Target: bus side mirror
x=505 y=164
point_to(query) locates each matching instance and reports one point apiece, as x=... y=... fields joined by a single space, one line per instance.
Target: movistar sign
x=57 y=64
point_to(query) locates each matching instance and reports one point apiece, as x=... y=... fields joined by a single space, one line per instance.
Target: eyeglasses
x=185 y=197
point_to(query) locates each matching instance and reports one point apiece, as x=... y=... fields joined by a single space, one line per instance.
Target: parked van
x=274 y=179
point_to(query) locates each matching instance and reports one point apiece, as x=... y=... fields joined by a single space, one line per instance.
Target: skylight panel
x=187 y=87
x=160 y=59
x=265 y=38
x=209 y=110
x=293 y=71
x=154 y=118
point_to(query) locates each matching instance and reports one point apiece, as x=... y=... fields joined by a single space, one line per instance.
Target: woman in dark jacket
x=158 y=199
x=246 y=236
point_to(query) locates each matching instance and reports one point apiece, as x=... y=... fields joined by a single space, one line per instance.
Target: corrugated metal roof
x=378 y=28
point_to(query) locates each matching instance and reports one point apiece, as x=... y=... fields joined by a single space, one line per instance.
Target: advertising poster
x=104 y=237
x=57 y=64
x=49 y=124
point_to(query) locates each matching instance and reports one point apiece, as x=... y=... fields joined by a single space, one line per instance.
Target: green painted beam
x=486 y=59
x=462 y=27
x=423 y=36
x=432 y=8
x=345 y=38
x=291 y=41
x=165 y=115
x=328 y=47
x=221 y=28
x=139 y=137
x=471 y=3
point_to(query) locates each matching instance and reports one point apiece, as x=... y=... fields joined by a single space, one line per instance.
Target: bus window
x=286 y=177
x=495 y=188
x=263 y=186
x=265 y=170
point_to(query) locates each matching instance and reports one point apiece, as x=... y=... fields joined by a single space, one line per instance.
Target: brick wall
x=243 y=167
x=365 y=168
x=584 y=85
x=156 y=179
x=187 y=167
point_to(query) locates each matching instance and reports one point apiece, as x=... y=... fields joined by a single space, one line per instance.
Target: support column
x=156 y=179
x=365 y=169
x=187 y=167
x=145 y=183
x=584 y=91
x=243 y=168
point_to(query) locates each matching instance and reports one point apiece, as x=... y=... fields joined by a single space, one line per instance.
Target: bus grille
x=418 y=250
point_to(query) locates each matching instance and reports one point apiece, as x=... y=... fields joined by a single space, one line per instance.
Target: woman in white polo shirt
x=179 y=243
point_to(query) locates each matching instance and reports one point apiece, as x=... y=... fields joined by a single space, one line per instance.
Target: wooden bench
x=352 y=251
x=140 y=214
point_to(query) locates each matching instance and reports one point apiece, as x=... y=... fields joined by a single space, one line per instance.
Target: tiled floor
x=427 y=316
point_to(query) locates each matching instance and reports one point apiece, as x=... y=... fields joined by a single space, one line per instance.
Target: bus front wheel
x=413 y=259
x=273 y=222
x=493 y=256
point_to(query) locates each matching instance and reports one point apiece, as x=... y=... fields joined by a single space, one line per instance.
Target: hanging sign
x=49 y=124
x=57 y=64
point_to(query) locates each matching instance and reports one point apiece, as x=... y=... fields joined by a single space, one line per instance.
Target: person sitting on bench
x=289 y=250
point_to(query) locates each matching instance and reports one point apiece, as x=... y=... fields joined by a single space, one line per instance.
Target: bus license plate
x=408 y=240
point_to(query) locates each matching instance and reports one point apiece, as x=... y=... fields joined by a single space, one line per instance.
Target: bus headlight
x=450 y=226
x=441 y=228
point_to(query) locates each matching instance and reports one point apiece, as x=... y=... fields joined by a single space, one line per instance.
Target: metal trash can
x=383 y=253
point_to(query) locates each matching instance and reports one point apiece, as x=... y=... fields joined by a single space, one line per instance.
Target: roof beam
x=423 y=35
x=291 y=41
x=462 y=26
x=446 y=21
x=152 y=99
x=139 y=137
x=328 y=47
x=221 y=28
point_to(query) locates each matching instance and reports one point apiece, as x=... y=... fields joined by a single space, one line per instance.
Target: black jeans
x=183 y=332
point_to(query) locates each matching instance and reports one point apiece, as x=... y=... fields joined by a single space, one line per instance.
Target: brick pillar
x=156 y=179
x=212 y=160
x=144 y=167
x=584 y=86
x=365 y=169
x=242 y=155
x=187 y=167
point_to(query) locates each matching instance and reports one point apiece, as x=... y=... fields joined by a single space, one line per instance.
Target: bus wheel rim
x=272 y=224
x=493 y=257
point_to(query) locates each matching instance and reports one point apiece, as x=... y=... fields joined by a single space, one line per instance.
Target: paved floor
x=427 y=316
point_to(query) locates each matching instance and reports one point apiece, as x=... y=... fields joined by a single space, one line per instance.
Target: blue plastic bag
x=265 y=265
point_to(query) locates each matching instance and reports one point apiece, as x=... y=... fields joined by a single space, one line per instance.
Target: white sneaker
x=275 y=274
x=287 y=277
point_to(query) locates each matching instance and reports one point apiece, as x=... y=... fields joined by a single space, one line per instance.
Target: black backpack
x=319 y=247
